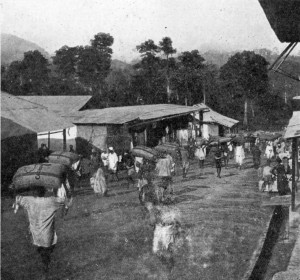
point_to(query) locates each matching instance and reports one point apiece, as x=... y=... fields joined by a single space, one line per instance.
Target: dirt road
x=111 y=238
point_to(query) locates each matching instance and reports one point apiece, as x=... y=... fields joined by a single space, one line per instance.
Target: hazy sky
x=191 y=24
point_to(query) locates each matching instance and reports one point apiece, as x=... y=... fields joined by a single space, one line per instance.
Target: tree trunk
x=168 y=90
x=245 y=123
x=204 y=93
x=252 y=109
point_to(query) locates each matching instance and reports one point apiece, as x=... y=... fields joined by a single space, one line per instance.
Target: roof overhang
x=284 y=18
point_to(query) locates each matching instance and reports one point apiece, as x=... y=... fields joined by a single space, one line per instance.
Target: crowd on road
x=154 y=180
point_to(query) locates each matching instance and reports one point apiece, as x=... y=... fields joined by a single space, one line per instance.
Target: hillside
x=13 y=48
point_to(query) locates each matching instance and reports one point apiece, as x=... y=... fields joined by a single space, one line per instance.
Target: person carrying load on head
x=128 y=160
x=164 y=172
x=41 y=210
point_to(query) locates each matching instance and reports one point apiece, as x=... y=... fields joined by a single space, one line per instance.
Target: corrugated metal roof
x=58 y=103
x=30 y=115
x=293 y=128
x=212 y=116
x=284 y=18
x=121 y=115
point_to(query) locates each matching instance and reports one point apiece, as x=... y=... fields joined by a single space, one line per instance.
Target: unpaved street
x=111 y=237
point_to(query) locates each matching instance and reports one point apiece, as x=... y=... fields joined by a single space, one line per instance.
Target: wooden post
x=297 y=163
x=64 y=140
x=49 y=140
x=294 y=151
x=145 y=136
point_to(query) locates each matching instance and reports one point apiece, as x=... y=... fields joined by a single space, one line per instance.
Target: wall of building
x=90 y=136
x=210 y=129
x=16 y=152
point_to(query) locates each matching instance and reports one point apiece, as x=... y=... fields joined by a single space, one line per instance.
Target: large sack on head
x=48 y=175
x=65 y=158
x=144 y=152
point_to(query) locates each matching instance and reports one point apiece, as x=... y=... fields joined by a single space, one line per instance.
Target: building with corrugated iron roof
x=215 y=124
x=125 y=127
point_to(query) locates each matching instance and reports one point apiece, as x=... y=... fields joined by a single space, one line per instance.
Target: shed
x=21 y=121
x=215 y=124
x=123 y=127
x=61 y=105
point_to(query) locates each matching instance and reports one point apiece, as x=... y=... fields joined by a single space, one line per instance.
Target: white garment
x=239 y=155
x=138 y=161
x=104 y=158
x=200 y=153
x=269 y=151
x=163 y=237
x=112 y=161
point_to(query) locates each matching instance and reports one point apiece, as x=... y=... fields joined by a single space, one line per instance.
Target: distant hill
x=118 y=64
x=13 y=48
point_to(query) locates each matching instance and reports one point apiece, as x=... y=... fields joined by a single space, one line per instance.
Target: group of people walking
x=41 y=206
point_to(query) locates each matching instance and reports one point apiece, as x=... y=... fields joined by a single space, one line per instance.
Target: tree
x=66 y=60
x=147 y=82
x=189 y=76
x=94 y=62
x=35 y=72
x=31 y=75
x=166 y=47
x=245 y=75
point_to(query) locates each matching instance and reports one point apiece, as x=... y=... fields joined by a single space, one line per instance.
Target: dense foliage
x=241 y=88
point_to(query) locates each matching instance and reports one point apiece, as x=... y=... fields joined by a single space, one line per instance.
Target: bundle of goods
x=48 y=175
x=144 y=152
x=65 y=158
x=221 y=140
x=267 y=136
x=170 y=148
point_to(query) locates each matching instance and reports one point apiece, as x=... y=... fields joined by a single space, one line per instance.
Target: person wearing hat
x=112 y=162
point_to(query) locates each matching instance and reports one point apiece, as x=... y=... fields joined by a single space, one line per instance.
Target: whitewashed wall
x=95 y=134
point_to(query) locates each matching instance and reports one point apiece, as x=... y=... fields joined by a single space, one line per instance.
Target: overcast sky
x=191 y=24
